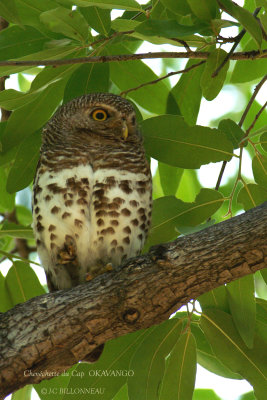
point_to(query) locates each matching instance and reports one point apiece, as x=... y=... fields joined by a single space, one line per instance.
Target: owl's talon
x=88 y=277
x=109 y=267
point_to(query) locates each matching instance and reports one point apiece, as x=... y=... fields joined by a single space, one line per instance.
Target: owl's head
x=95 y=116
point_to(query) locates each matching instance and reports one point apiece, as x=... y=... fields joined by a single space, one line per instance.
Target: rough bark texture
x=54 y=331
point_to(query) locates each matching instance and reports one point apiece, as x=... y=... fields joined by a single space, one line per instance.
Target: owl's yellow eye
x=99 y=115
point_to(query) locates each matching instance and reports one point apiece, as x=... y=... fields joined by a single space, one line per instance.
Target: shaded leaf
x=168 y=28
x=248 y=70
x=5 y=300
x=216 y=298
x=205 y=394
x=178 y=7
x=179 y=378
x=23 y=170
x=7 y=200
x=17 y=42
x=97 y=18
x=205 y=10
x=169 y=139
x=14 y=230
x=259 y=167
x=22 y=283
x=248 y=21
x=263 y=140
x=87 y=78
x=170 y=178
x=109 y=4
x=27 y=119
x=211 y=86
x=189 y=83
x=233 y=132
x=68 y=22
x=243 y=307
x=169 y=212
x=252 y=195
x=29 y=11
x=148 y=361
x=207 y=358
x=132 y=74
x=9 y=11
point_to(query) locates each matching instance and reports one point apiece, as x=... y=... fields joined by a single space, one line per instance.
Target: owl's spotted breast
x=91 y=219
x=92 y=190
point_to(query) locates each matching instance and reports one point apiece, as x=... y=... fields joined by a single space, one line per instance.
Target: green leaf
x=230 y=349
x=17 y=42
x=29 y=11
x=170 y=140
x=248 y=21
x=189 y=83
x=148 y=361
x=205 y=394
x=68 y=22
x=170 y=178
x=7 y=200
x=263 y=19
x=179 y=378
x=247 y=396
x=97 y=18
x=129 y=5
x=207 y=358
x=261 y=318
x=132 y=74
x=23 y=215
x=87 y=78
x=55 y=387
x=5 y=300
x=168 y=28
x=177 y=7
x=23 y=394
x=259 y=167
x=168 y=213
x=22 y=283
x=14 y=230
x=211 y=86
x=116 y=356
x=252 y=195
x=23 y=170
x=248 y=70
x=27 y=119
x=243 y=307
x=9 y=11
x=233 y=132
x=205 y=10
x=216 y=298
x=263 y=140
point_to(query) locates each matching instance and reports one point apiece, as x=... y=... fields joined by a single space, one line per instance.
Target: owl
x=92 y=190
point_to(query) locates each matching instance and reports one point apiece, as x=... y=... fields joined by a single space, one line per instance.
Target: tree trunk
x=52 y=332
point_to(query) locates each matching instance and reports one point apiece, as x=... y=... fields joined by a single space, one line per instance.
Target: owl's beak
x=124 y=130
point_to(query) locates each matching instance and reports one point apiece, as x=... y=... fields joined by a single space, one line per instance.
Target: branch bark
x=245 y=55
x=50 y=333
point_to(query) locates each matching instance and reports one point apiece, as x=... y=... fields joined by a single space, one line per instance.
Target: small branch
x=256 y=118
x=161 y=78
x=197 y=55
x=256 y=91
x=237 y=41
x=107 y=39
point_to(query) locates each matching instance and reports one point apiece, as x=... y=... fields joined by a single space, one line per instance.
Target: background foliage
x=229 y=336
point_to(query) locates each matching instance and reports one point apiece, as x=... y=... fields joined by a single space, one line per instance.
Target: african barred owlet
x=92 y=190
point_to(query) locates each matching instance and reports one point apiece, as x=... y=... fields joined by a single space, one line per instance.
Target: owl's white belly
x=88 y=219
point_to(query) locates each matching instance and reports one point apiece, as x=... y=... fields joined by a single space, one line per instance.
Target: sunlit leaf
x=179 y=379
x=216 y=298
x=252 y=195
x=14 y=230
x=97 y=18
x=233 y=132
x=169 y=139
x=109 y=4
x=211 y=86
x=259 y=167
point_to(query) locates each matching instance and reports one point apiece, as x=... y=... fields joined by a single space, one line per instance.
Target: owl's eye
x=99 y=115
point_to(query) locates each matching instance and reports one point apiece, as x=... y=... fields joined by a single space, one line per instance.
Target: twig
x=161 y=78
x=197 y=55
x=237 y=41
x=256 y=118
x=256 y=91
x=115 y=34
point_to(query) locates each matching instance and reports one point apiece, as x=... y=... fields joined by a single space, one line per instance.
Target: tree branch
x=50 y=333
x=246 y=55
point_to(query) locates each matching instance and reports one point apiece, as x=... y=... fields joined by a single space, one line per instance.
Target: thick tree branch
x=245 y=55
x=52 y=332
